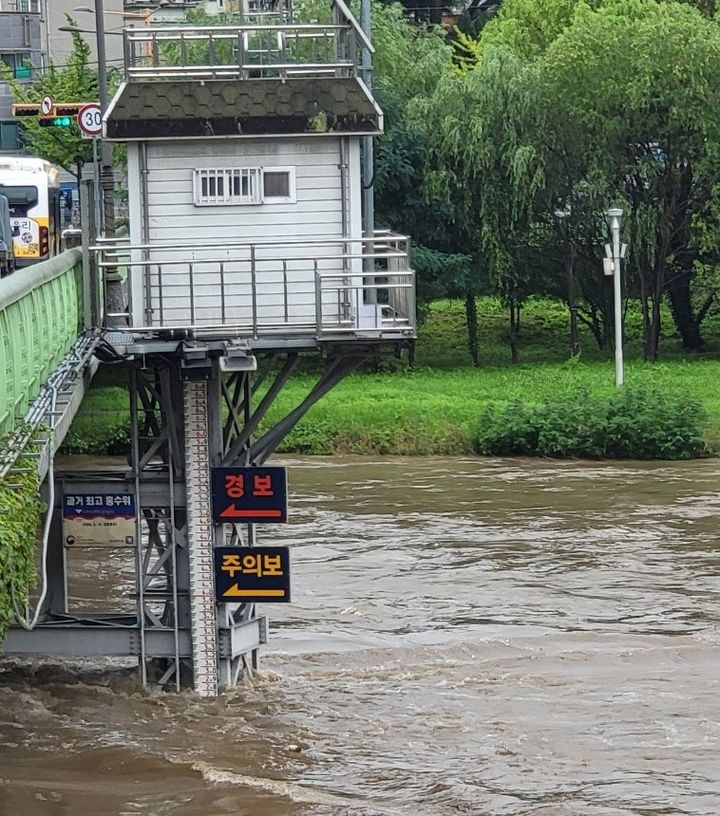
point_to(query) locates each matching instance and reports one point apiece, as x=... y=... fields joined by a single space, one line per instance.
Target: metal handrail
x=226 y=32
x=269 y=287
x=265 y=259
x=231 y=70
x=325 y=42
x=321 y=240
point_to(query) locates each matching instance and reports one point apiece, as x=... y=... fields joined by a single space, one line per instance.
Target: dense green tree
x=485 y=172
x=566 y=107
x=73 y=82
x=633 y=88
x=409 y=62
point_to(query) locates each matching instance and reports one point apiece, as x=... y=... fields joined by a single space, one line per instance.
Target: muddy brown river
x=467 y=637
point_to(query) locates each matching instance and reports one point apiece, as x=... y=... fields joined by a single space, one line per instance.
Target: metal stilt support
x=180 y=429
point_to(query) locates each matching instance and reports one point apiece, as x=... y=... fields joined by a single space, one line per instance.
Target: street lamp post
x=135 y=15
x=114 y=297
x=617 y=251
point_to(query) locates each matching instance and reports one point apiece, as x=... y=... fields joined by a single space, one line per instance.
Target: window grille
x=244 y=185
x=238 y=185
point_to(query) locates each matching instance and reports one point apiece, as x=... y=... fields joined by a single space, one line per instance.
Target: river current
x=468 y=637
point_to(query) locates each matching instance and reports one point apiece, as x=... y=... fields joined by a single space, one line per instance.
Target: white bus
x=32 y=188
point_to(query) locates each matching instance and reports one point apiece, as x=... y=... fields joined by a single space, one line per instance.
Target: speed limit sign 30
x=89 y=119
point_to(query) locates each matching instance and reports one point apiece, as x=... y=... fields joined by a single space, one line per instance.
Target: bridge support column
x=185 y=419
x=180 y=430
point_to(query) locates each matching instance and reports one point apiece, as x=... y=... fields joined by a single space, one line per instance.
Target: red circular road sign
x=89 y=119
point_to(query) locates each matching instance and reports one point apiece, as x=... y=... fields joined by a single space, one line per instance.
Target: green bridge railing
x=41 y=316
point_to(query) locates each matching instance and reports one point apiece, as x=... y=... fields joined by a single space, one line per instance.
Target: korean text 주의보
x=270 y=565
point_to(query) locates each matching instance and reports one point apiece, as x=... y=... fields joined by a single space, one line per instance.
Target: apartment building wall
x=59 y=43
x=22 y=51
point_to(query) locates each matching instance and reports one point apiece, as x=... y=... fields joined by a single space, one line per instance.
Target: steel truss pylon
x=180 y=429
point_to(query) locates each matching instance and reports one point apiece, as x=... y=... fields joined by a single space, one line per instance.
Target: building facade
x=59 y=43
x=270 y=167
x=23 y=53
x=175 y=11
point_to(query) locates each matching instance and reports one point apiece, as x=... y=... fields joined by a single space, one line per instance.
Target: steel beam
x=268 y=443
x=242 y=638
x=86 y=640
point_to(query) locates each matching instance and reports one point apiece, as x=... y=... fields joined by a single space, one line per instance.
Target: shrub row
x=635 y=423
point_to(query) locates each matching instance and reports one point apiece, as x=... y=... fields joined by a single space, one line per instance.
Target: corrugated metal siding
x=174 y=220
x=174 y=217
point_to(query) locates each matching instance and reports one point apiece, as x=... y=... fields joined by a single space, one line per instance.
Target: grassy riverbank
x=431 y=411
x=547 y=404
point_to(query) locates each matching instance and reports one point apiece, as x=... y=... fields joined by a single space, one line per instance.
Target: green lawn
x=426 y=411
x=438 y=412
x=437 y=408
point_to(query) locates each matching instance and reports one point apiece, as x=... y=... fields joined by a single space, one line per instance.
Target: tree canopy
x=72 y=82
x=561 y=109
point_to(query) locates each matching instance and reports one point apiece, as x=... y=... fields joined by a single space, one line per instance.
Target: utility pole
x=113 y=282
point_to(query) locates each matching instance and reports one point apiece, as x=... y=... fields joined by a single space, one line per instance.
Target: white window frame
x=228 y=175
x=288 y=199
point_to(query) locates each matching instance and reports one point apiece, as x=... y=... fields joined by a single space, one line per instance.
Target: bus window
x=20 y=199
x=31 y=241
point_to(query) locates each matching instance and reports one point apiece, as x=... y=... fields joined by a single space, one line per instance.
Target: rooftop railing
x=264 y=45
x=309 y=288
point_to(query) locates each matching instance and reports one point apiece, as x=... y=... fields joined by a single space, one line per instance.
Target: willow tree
x=526 y=27
x=409 y=62
x=485 y=171
x=634 y=87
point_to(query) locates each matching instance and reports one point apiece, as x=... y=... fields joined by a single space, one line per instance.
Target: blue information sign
x=99 y=519
x=252 y=574
x=252 y=495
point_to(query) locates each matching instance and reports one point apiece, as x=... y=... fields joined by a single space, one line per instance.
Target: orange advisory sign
x=252 y=574
x=251 y=495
